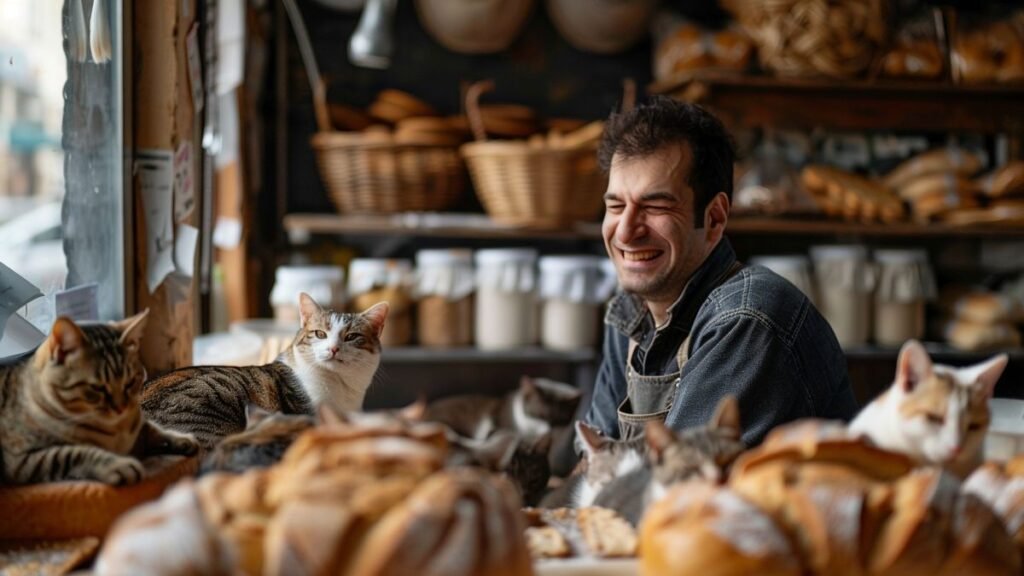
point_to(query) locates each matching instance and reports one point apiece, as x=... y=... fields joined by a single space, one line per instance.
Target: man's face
x=648 y=228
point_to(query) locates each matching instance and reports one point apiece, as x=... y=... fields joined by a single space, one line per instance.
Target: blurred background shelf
x=418 y=354
x=853 y=105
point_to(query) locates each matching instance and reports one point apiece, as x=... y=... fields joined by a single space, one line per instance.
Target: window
x=61 y=149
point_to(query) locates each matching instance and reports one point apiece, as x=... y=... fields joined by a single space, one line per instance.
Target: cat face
x=607 y=458
x=703 y=452
x=93 y=369
x=943 y=411
x=334 y=340
x=548 y=400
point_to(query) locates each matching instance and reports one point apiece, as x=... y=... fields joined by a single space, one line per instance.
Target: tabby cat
x=703 y=452
x=330 y=363
x=531 y=411
x=266 y=437
x=625 y=475
x=937 y=414
x=71 y=409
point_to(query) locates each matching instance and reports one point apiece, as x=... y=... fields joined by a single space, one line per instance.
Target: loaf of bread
x=1002 y=488
x=988 y=51
x=700 y=528
x=938 y=161
x=855 y=197
x=367 y=499
x=977 y=337
x=987 y=308
x=689 y=48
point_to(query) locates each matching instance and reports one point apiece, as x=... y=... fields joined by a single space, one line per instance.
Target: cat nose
x=334 y=350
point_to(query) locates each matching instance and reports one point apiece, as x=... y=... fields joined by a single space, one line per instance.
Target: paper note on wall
x=155 y=169
x=80 y=303
x=185 y=239
x=184 y=188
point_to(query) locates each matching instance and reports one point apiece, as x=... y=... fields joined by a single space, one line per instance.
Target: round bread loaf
x=700 y=529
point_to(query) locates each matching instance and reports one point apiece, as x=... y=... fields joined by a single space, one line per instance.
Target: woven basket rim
x=356 y=140
x=518 y=148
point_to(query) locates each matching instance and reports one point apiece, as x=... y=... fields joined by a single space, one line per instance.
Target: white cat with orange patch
x=937 y=414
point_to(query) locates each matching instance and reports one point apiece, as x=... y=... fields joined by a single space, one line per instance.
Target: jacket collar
x=628 y=313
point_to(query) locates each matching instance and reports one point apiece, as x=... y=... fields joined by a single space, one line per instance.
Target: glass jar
x=506 y=298
x=325 y=284
x=572 y=289
x=373 y=280
x=845 y=279
x=905 y=283
x=795 y=268
x=444 y=292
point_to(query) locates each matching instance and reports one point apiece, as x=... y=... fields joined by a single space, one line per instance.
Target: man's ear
x=716 y=216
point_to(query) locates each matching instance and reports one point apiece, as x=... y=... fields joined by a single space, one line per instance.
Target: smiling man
x=692 y=324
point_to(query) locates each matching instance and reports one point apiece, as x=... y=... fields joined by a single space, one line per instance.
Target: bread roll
x=974 y=337
x=700 y=529
x=1008 y=180
x=987 y=308
x=940 y=160
x=938 y=183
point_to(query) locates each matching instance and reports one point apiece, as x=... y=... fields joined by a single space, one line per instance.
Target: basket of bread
x=402 y=156
x=807 y=38
x=531 y=178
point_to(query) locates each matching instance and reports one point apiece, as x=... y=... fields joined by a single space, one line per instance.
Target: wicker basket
x=474 y=26
x=364 y=174
x=807 y=38
x=522 y=184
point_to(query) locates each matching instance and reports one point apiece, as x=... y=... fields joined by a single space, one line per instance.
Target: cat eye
x=933 y=419
x=320 y=334
x=353 y=337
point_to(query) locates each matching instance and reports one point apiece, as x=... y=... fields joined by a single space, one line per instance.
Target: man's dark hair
x=664 y=121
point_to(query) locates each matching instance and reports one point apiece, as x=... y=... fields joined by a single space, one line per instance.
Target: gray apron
x=650 y=397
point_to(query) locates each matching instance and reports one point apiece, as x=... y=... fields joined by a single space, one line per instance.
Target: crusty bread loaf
x=977 y=337
x=940 y=160
x=851 y=195
x=987 y=308
x=699 y=529
x=1002 y=488
x=1007 y=180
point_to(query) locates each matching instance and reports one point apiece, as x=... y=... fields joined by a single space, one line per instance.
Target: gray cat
x=627 y=475
x=523 y=462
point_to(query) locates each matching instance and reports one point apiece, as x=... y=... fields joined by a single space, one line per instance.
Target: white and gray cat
x=937 y=414
x=626 y=476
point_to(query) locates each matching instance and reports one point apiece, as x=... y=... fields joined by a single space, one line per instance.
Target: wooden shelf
x=818 y=227
x=940 y=352
x=853 y=105
x=301 y=226
x=532 y=354
x=443 y=225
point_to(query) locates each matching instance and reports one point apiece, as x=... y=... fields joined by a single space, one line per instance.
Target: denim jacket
x=756 y=336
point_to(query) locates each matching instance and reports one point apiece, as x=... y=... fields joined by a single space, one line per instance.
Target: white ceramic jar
x=444 y=293
x=905 y=283
x=506 y=298
x=373 y=280
x=795 y=268
x=572 y=289
x=845 y=279
x=326 y=284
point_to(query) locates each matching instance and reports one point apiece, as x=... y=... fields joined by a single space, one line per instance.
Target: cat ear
x=307 y=308
x=65 y=339
x=658 y=437
x=727 y=415
x=527 y=385
x=328 y=417
x=254 y=415
x=589 y=438
x=983 y=377
x=377 y=314
x=913 y=365
x=414 y=412
x=131 y=329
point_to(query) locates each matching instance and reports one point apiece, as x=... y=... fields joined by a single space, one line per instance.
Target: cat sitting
x=627 y=475
x=331 y=363
x=71 y=410
x=935 y=413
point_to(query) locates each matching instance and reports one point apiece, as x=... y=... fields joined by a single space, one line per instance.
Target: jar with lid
x=846 y=279
x=796 y=268
x=905 y=283
x=325 y=284
x=572 y=289
x=444 y=293
x=373 y=280
x=506 y=298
